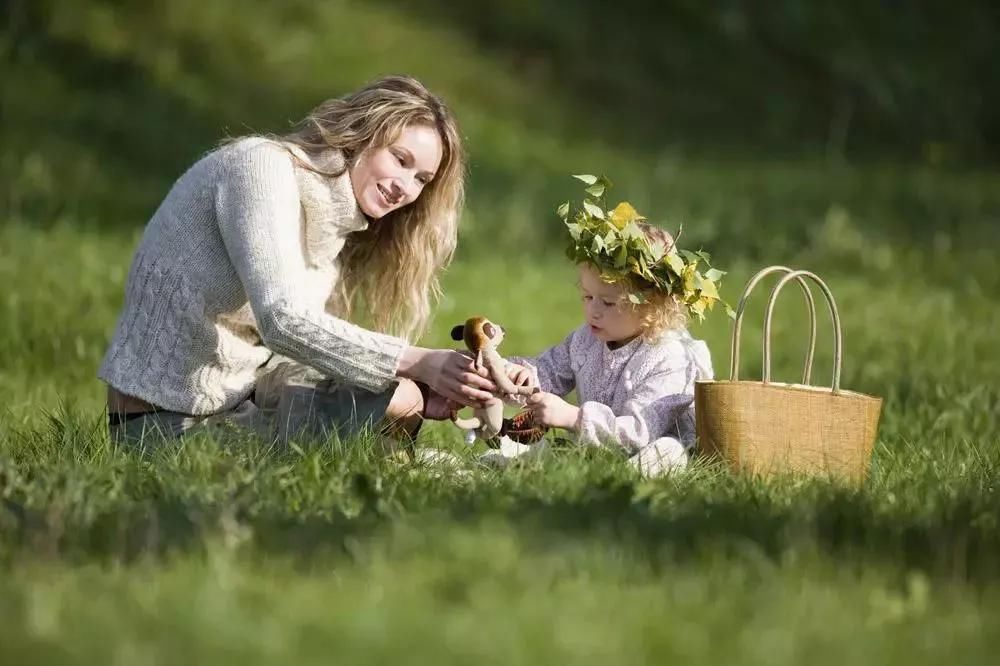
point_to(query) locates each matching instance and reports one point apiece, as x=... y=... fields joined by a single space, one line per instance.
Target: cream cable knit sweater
x=238 y=263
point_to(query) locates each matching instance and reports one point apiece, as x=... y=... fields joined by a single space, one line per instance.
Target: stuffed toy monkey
x=482 y=337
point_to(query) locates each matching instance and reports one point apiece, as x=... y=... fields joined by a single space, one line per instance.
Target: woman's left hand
x=440 y=408
x=550 y=410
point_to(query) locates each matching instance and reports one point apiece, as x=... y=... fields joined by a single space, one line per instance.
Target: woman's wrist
x=410 y=363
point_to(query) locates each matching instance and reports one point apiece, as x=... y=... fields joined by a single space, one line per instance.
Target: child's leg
x=660 y=457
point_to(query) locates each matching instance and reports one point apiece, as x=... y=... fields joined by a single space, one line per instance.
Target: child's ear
x=458 y=333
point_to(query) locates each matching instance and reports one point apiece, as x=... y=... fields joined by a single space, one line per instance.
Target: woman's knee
x=407 y=402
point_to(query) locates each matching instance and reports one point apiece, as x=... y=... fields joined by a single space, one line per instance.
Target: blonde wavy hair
x=391 y=268
x=661 y=312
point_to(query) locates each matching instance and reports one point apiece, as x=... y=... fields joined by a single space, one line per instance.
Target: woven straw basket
x=765 y=427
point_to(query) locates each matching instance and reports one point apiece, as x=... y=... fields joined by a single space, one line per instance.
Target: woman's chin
x=374 y=212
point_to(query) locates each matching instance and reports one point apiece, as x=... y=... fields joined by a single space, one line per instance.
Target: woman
x=240 y=295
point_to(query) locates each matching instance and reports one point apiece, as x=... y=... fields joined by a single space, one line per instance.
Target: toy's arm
x=498 y=372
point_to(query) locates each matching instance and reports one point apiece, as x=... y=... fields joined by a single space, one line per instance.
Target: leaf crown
x=614 y=243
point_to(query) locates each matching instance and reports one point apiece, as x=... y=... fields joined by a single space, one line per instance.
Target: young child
x=633 y=366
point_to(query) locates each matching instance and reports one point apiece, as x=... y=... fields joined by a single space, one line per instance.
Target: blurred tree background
x=703 y=112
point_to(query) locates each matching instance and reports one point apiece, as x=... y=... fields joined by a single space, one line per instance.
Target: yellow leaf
x=698 y=308
x=623 y=214
x=708 y=289
x=687 y=275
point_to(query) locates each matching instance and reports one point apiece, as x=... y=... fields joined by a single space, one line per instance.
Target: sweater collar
x=328 y=203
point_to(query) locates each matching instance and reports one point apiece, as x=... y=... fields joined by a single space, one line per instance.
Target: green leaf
x=595 y=190
x=689 y=257
x=656 y=251
x=638 y=299
x=714 y=274
x=621 y=256
x=563 y=210
x=705 y=256
x=574 y=230
x=586 y=177
x=730 y=312
x=593 y=209
x=675 y=262
x=633 y=231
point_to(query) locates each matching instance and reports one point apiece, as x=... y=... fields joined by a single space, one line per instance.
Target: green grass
x=209 y=551
x=325 y=552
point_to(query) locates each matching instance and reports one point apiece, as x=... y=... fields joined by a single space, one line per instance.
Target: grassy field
x=329 y=552
x=326 y=552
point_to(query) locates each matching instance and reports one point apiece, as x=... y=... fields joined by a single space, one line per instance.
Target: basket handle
x=838 y=336
x=734 y=356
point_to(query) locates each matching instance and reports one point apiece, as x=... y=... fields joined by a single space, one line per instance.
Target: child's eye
x=609 y=304
x=587 y=298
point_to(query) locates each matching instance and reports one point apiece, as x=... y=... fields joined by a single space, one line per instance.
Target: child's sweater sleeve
x=653 y=407
x=553 y=368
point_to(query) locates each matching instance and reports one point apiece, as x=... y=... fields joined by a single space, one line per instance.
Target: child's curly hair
x=661 y=312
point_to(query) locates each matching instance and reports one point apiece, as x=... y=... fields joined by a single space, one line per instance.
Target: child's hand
x=551 y=410
x=520 y=375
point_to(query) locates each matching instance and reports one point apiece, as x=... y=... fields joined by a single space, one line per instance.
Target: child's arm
x=653 y=408
x=552 y=368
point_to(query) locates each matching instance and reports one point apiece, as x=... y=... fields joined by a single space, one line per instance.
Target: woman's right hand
x=449 y=373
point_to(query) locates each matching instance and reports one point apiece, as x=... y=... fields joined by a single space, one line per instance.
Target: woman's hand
x=449 y=373
x=439 y=408
x=520 y=375
x=551 y=410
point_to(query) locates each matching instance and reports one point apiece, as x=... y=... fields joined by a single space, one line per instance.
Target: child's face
x=606 y=309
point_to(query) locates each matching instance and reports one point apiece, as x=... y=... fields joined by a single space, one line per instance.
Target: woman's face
x=392 y=176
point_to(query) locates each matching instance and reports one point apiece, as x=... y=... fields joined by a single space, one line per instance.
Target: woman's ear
x=458 y=333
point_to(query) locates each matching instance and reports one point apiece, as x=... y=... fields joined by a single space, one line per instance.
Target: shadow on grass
x=661 y=523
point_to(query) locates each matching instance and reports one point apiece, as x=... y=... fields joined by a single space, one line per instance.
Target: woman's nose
x=409 y=187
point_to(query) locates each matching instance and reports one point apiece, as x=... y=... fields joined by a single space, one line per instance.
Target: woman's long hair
x=391 y=269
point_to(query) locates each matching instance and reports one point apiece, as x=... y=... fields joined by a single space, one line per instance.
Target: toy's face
x=479 y=333
x=494 y=332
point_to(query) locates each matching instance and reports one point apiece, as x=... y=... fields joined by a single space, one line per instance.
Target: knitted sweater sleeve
x=258 y=211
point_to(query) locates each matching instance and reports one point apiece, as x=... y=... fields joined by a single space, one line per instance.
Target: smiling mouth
x=386 y=197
